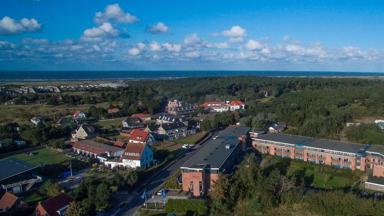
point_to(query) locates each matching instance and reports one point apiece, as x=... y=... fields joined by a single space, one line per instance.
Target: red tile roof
x=52 y=205
x=133 y=151
x=8 y=200
x=94 y=147
x=213 y=104
x=139 y=135
x=237 y=103
x=140 y=115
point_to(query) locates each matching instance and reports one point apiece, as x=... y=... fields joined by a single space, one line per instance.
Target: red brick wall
x=194 y=177
x=378 y=170
x=213 y=179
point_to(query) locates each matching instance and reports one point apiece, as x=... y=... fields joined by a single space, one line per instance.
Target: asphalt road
x=134 y=200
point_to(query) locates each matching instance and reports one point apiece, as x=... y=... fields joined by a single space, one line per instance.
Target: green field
x=191 y=139
x=111 y=123
x=46 y=156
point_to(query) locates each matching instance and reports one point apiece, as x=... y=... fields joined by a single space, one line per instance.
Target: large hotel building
x=345 y=155
x=218 y=155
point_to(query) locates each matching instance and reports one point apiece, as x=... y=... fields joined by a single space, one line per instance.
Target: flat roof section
x=10 y=167
x=375 y=180
x=376 y=148
x=314 y=142
x=215 y=152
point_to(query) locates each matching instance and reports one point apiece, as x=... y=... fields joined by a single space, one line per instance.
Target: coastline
x=7 y=77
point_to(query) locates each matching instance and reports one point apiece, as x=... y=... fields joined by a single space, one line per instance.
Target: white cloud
x=155 y=46
x=192 y=39
x=254 y=45
x=158 y=28
x=351 y=52
x=172 y=47
x=222 y=45
x=235 y=34
x=6 y=45
x=140 y=45
x=10 y=26
x=100 y=32
x=192 y=54
x=134 y=51
x=114 y=13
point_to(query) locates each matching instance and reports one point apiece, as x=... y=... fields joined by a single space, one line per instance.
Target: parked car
x=187 y=146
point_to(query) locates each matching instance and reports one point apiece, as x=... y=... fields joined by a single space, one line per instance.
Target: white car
x=187 y=146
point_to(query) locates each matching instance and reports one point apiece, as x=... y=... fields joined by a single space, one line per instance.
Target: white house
x=83 y=132
x=136 y=155
x=141 y=136
x=78 y=116
x=36 y=120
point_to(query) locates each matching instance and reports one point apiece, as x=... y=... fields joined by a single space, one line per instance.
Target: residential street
x=134 y=200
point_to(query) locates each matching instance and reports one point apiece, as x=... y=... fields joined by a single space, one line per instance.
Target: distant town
x=175 y=146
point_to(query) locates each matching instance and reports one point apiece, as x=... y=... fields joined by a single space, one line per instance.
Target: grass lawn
x=191 y=139
x=33 y=197
x=111 y=123
x=44 y=155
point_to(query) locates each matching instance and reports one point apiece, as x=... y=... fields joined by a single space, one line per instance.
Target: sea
x=137 y=75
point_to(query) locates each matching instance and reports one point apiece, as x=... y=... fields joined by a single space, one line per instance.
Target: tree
x=102 y=196
x=76 y=209
x=50 y=189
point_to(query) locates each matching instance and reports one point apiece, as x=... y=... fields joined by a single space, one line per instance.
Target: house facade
x=55 y=206
x=8 y=202
x=218 y=155
x=137 y=155
x=79 y=116
x=320 y=151
x=84 y=132
x=172 y=131
x=223 y=106
x=96 y=150
x=132 y=123
x=176 y=107
x=141 y=136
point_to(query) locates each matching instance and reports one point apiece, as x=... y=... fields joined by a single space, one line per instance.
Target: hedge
x=186 y=206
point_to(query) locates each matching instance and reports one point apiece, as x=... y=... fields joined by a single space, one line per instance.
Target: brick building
x=369 y=158
x=218 y=155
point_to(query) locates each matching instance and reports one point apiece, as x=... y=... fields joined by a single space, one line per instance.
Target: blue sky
x=335 y=35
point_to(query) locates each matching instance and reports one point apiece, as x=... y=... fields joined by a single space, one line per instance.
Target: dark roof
x=153 y=127
x=89 y=129
x=169 y=117
x=214 y=153
x=375 y=180
x=11 y=167
x=172 y=126
x=133 y=120
x=376 y=148
x=52 y=205
x=314 y=142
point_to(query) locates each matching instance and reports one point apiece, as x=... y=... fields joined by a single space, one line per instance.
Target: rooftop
x=375 y=180
x=8 y=200
x=139 y=135
x=11 y=167
x=215 y=152
x=95 y=147
x=54 y=204
x=314 y=142
x=376 y=148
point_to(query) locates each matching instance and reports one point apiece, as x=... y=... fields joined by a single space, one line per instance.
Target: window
x=191 y=186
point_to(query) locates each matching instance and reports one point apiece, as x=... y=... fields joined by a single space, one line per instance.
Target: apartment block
x=218 y=155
